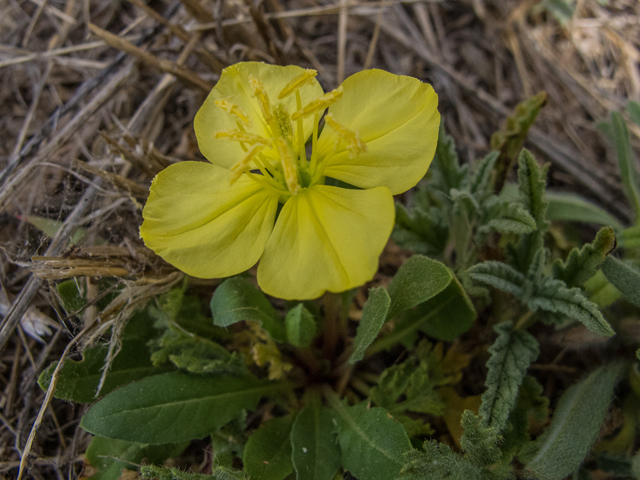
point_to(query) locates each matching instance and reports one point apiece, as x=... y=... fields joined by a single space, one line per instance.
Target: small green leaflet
x=174 y=407
x=78 y=381
x=300 y=325
x=626 y=162
x=373 y=316
x=150 y=472
x=624 y=277
x=267 y=455
x=109 y=456
x=417 y=280
x=511 y=354
x=315 y=451
x=372 y=443
x=438 y=462
x=236 y=299
x=499 y=275
x=447 y=172
x=573 y=208
x=479 y=442
x=582 y=264
x=575 y=426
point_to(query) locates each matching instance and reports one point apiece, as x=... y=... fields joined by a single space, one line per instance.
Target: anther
x=289 y=166
x=243 y=137
x=233 y=109
x=263 y=99
x=305 y=78
x=241 y=166
x=318 y=104
x=283 y=121
x=355 y=145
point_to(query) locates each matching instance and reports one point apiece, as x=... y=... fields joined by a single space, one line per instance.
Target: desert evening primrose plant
x=264 y=197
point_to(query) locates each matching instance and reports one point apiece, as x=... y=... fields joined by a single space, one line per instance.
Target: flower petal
x=234 y=87
x=204 y=226
x=397 y=117
x=326 y=238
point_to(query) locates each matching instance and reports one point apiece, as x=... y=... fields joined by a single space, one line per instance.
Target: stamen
x=355 y=145
x=283 y=121
x=263 y=99
x=241 y=166
x=318 y=104
x=305 y=78
x=233 y=109
x=289 y=166
x=244 y=137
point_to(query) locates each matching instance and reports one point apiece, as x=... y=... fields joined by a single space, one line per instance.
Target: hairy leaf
x=236 y=300
x=372 y=444
x=78 y=381
x=573 y=208
x=482 y=176
x=109 y=456
x=301 y=326
x=438 y=462
x=267 y=454
x=511 y=354
x=174 y=407
x=582 y=264
x=509 y=217
x=630 y=237
x=575 y=426
x=373 y=316
x=532 y=182
x=150 y=472
x=316 y=454
x=448 y=173
x=624 y=277
x=479 y=442
x=499 y=275
x=422 y=230
x=553 y=296
x=418 y=280
x=509 y=140
x=626 y=162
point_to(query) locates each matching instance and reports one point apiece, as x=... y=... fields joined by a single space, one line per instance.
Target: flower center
x=280 y=155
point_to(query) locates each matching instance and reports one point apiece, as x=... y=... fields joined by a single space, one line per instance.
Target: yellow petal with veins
x=396 y=117
x=200 y=223
x=326 y=238
x=234 y=87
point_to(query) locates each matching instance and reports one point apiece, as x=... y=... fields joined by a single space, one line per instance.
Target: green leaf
x=509 y=140
x=511 y=354
x=630 y=237
x=111 y=456
x=575 y=426
x=197 y=355
x=174 y=407
x=438 y=462
x=482 y=176
x=73 y=300
x=532 y=182
x=561 y=9
x=582 y=264
x=624 y=277
x=236 y=300
x=600 y=291
x=79 y=380
x=553 y=296
x=634 y=110
x=316 y=454
x=50 y=227
x=573 y=208
x=509 y=217
x=479 y=442
x=150 y=472
x=267 y=455
x=499 y=275
x=418 y=280
x=374 y=313
x=447 y=172
x=626 y=162
x=300 y=325
x=372 y=444
x=422 y=230
x=434 y=318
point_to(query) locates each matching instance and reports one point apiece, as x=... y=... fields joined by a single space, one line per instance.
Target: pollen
x=243 y=137
x=243 y=165
x=305 y=78
x=283 y=121
x=355 y=145
x=289 y=166
x=233 y=109
x=318 y=104
x=263 y=99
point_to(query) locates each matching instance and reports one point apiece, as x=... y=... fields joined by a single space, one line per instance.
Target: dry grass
x=86 y=127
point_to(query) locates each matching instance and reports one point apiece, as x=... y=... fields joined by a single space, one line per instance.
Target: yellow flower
x=218 y=219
